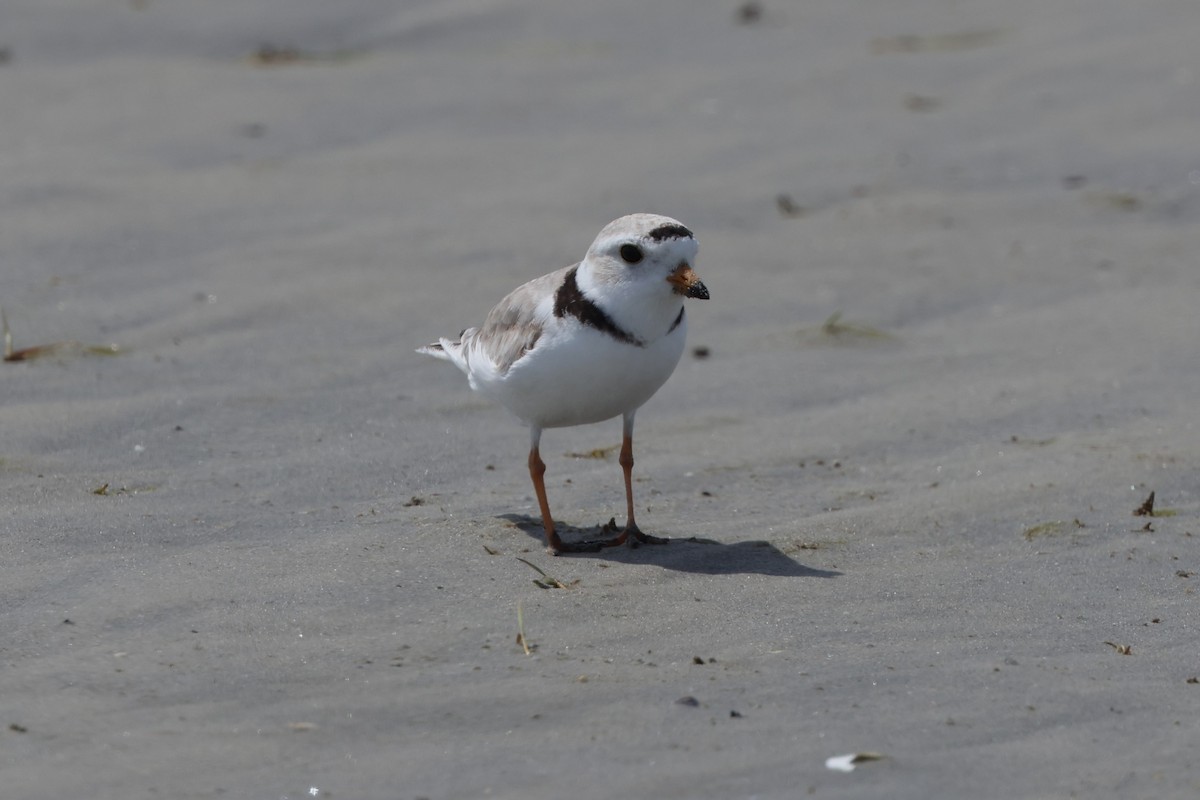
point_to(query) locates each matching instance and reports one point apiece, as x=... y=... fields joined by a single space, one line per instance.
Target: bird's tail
x=448 y=350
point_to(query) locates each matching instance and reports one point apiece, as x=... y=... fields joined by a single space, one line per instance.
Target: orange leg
x=626 y=460
x=537 y=471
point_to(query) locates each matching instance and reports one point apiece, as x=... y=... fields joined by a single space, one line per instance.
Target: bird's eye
x=631 y=253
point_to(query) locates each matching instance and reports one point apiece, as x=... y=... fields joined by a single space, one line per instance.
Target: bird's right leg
x=537 y=472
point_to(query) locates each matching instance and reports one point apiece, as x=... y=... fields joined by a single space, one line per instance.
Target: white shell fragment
x=847 y=762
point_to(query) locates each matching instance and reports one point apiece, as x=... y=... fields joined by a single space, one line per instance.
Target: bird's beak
x=686 y=283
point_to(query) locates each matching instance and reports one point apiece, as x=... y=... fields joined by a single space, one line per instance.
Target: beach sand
x=266 y=550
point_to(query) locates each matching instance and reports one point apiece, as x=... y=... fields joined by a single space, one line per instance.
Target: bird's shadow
x=700 y=556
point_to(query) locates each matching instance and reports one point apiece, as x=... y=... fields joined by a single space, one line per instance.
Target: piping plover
x=587 y=343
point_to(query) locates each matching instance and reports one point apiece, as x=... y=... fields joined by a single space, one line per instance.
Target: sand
x=268 y=551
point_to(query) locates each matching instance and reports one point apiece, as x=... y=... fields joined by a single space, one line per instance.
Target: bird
x=587 y=343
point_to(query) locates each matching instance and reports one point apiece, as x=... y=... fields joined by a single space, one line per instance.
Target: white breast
x=586 y=376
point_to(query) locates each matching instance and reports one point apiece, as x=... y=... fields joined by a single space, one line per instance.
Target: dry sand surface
x=268 y=551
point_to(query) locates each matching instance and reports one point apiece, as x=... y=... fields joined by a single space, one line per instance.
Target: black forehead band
x=669 y=232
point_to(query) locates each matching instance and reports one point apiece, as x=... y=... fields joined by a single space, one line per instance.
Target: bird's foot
x=575 y=547
x=645 y=538
x=631 y=535
x=555 y=545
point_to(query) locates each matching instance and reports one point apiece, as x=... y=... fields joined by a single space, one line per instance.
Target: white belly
x=587 y=378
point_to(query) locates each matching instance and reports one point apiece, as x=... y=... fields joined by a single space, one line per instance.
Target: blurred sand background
x=268 y=551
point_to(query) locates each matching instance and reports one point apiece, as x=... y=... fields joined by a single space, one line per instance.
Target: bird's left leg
x=626 y=460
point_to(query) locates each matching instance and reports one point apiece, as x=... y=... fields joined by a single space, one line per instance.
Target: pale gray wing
x=513 y=327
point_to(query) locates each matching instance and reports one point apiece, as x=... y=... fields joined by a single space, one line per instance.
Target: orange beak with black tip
x=686 y=283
